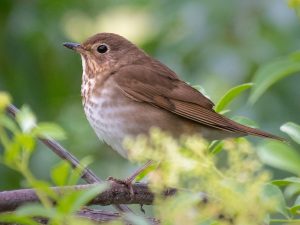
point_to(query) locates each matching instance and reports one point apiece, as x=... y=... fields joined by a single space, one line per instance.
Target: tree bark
x=115 y=194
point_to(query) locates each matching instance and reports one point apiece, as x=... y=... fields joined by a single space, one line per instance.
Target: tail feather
x=255 y=132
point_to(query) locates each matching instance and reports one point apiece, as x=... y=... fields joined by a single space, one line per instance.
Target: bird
x=125 y=92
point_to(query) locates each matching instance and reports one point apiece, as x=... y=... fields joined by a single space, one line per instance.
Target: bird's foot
x=128 y=182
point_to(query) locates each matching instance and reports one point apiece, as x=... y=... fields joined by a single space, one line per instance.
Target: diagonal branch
x=59 y=150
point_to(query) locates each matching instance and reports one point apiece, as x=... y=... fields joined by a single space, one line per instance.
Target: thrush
x=125 y=92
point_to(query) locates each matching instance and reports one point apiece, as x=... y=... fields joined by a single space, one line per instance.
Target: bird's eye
x=102 y=49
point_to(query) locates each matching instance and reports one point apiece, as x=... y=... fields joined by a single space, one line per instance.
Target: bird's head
x=105 y=51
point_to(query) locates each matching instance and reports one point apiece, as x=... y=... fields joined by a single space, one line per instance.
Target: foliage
x=18 y=140
x=204 y=41
x=209 y=43
x=214 y=180
x=232 y=179
x=273 y=72
x=230 y=95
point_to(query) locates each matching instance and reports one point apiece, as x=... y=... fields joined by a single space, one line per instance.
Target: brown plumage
x=126 y=92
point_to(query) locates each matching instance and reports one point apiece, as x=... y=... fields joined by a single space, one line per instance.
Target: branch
x=59 y=150
x=105 y=216
x=101 y=216
x=115 y=194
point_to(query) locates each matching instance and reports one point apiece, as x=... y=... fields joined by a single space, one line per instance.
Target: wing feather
x=144 y=84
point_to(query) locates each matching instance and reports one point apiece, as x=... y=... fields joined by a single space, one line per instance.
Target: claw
x=128 y=182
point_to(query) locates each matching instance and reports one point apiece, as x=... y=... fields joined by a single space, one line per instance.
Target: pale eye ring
x=102 y=48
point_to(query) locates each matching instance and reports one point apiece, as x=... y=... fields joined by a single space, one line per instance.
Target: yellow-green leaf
x=230 y=95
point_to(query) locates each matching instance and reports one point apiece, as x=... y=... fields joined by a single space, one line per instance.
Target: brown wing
x=152 y=86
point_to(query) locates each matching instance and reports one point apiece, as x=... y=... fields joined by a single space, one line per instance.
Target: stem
x=23 y=169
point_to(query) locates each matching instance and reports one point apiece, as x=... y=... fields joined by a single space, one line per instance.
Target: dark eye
x=102 y=49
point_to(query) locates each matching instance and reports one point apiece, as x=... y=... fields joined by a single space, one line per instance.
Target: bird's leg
x=139 y=171
x=129 y=180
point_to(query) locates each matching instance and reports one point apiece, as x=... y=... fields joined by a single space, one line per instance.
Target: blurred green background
x=215 y=44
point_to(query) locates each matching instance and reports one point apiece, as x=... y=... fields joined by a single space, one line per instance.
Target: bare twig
x=116 y=194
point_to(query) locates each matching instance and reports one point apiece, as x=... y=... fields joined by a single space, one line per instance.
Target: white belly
x=105 y=116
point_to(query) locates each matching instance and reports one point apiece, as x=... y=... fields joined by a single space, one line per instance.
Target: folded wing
x=156 y=88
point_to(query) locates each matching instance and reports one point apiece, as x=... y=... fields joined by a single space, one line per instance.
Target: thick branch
x=115 y=194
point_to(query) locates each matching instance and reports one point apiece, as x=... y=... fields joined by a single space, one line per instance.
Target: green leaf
x=44 y=188
x=34 y=209
x=271 y=73
x=12 y=218
x=273 y=192
x=295 y=209
x=280 y=155
x=8 y=123
x=75 y=173
x=230 y=95
x=26 y=141
x=60 y=173
x=88 y=195
x=46 y=130
x=12 y=155
x=215 y=147
x=73 y=200
x=292 y=190
x=293 y=130
x=286 y=181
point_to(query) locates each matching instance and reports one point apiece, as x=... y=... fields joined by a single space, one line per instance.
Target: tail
x=255 y=132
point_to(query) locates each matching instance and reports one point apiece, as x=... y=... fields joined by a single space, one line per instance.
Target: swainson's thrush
x=126 y=92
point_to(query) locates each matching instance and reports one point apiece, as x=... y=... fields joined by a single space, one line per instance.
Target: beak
x=73 y=46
